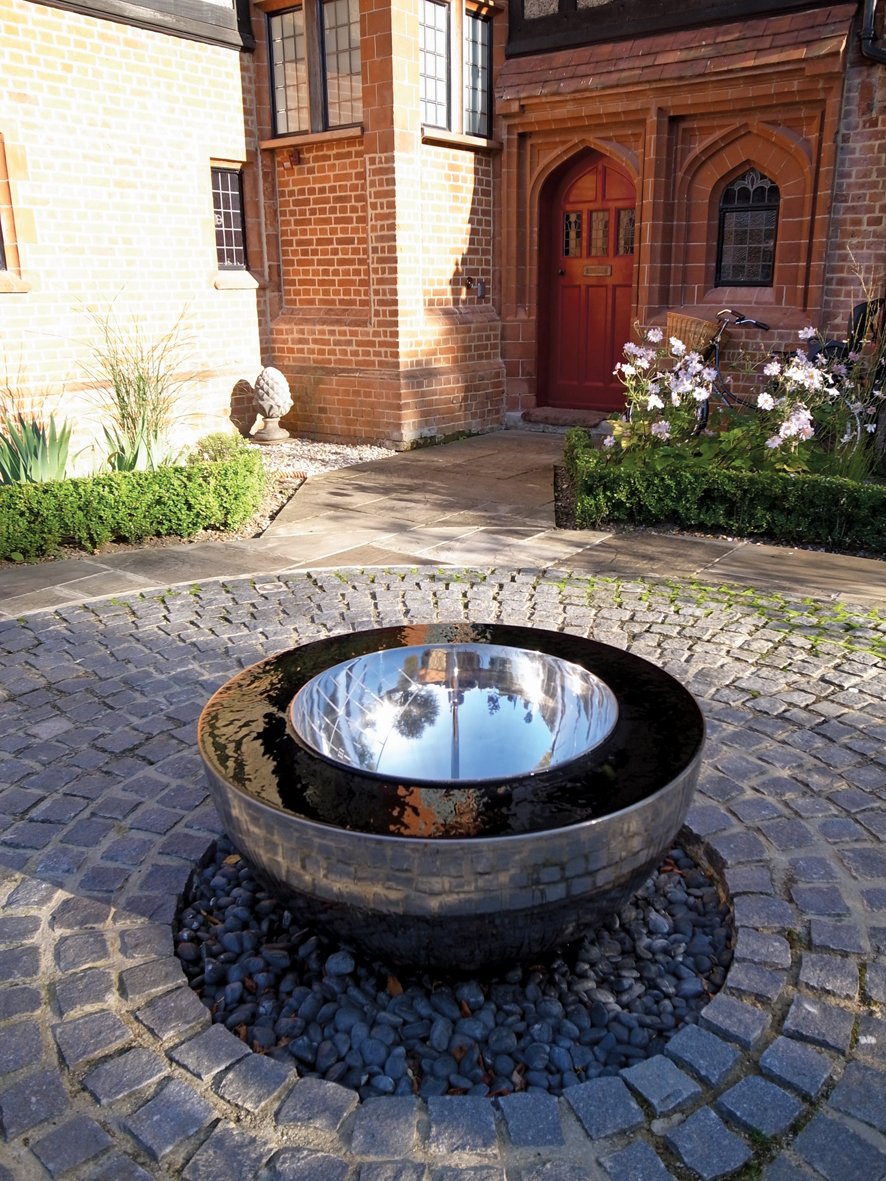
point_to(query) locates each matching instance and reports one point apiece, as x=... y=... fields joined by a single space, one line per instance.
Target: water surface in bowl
x=449 y=712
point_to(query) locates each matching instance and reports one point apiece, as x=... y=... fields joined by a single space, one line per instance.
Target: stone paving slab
x=481 y=501
x=107 y=1067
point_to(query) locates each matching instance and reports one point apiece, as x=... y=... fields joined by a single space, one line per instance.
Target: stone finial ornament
x=272 y=400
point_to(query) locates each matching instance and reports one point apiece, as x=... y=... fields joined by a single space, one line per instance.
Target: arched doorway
x=586 y=270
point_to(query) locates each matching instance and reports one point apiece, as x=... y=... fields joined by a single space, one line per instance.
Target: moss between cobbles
x=35 y=519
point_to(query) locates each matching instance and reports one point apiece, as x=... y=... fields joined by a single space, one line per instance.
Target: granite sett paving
x=107 y=1066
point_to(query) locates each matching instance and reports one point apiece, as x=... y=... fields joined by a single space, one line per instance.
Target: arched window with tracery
x=748 y=231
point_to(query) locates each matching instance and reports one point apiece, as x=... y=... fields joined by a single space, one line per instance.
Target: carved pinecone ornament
x=272 y=397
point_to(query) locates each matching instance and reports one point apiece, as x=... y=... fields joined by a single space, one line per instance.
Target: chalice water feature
x=452 y=795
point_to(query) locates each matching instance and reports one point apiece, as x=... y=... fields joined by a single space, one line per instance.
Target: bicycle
x=719 y=384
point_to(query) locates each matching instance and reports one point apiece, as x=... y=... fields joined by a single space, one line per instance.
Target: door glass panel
x=625 y=231
x=599 y=244
x=572 y=235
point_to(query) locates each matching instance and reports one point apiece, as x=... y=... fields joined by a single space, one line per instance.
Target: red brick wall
x=684 y=114
x=857 y=250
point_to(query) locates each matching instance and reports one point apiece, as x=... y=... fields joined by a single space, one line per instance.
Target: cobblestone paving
x=108 y=1067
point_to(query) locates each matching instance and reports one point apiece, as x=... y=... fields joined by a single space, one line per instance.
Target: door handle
x=561 y=271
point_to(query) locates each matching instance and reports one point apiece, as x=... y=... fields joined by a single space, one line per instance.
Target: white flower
x=654 y=402
x=806 y=333
x=774 y=441
x=655 y=335
x=856 y=407
x=675 y=398
x=709 y=374
x=839 y=369
x=609 y=441
x=766 y=401
x=772 y=369
x=631 y=349
x=870 y=427
x=701 y=393
x=628 y=370
x=661 y=429
x=678 y=348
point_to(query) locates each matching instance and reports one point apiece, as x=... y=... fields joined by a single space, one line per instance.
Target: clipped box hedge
x=130 y=506
x=792 y=508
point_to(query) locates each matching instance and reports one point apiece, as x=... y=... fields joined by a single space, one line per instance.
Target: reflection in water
x=452 y=712
x=246 y=739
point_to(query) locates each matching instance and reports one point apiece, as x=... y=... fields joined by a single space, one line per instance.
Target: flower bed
x=130 y=506
x=793 y=460
x=792 y=507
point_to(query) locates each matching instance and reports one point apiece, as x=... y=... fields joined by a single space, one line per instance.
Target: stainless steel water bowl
x=453 y=795
x=449 y=712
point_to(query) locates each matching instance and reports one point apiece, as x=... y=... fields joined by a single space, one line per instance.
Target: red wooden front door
x=592 y=255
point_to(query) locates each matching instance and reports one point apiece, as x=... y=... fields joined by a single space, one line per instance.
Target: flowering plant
x=816 y=411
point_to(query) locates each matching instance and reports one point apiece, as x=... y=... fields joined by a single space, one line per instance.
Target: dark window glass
x=433 y=57
x=227 y=202
x=289 y=72
x=478 y=41
x=599 y=244
x=748 y=231
x=572 y=235
x=341 y=37
x=626 y=221
x=2 y=252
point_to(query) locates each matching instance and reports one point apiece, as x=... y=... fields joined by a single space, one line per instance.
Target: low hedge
x=793 y=508
x=130 y=506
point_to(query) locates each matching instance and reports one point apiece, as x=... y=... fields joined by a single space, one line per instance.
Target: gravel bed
x=307 y=458
x=292 y=994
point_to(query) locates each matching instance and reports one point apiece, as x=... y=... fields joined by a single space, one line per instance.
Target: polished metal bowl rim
x=473 y=842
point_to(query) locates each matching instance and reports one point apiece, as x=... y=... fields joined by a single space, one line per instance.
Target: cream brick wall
x=108 y=132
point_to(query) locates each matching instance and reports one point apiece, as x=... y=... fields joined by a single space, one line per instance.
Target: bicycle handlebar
x=740 y=319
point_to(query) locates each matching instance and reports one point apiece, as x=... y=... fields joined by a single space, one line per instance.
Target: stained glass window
x=626 y=219
x=290 y=72
x=599 y=244
x=341 y=36
x=433 y=56
x=748 y=230
x=572 y=235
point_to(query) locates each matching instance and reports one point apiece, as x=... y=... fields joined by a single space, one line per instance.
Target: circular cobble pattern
x=625 y=992
x=110 y=1068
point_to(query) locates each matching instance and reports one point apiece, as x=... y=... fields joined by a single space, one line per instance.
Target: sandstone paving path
x=109 y=1070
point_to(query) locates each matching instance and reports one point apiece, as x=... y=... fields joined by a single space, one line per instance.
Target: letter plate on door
x=597 y=270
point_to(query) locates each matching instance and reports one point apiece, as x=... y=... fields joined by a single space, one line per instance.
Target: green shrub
x=217 y=446
x=130 y=506
x=795 y=508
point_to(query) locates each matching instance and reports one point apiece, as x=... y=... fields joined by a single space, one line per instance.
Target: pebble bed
x=292 y=994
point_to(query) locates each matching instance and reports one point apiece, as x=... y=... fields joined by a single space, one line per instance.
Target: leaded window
x=341 y=36
x=572 y=235
x=289 y=70
x=748 y=231
x=227 y=203
x=433 y=55
x=599 y=243
x=626 y=225
x=478 y=43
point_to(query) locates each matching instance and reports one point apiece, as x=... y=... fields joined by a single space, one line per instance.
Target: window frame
x=724 y=211
x=315 y=68
x=444 y=6
x=227 y=170
x=457 y=82
x=484 y=21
